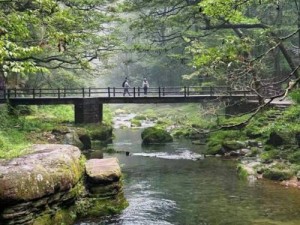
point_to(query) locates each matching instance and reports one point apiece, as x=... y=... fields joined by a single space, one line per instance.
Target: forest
x=47 y=43
x=242 y=45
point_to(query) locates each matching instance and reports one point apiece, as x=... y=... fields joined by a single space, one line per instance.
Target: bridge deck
x=115 y=95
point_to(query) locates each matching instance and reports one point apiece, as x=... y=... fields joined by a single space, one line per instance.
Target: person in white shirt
x=145 y=85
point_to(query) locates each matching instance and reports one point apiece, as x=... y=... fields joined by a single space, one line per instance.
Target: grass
x=18 y=132
x=30 y=125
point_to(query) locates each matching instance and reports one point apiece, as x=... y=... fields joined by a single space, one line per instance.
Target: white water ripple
x=186 y=154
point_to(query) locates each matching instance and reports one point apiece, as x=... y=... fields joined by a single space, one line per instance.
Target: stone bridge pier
x=239 y=107
x=88 y=111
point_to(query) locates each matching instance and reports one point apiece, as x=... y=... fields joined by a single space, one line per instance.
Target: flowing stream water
x=173 y=184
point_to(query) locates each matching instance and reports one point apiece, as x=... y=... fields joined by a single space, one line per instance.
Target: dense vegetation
x=245 y=44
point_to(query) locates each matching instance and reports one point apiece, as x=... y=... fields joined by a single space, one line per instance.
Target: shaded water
x=176 y=186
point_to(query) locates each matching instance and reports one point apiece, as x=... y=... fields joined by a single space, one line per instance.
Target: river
x=172 y=184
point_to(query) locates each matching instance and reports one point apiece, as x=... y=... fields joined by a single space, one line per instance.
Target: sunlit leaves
x=226 y=10
x=228 y=49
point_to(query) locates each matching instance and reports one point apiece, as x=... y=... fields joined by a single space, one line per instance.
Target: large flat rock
x=47 y=170
x=103 y=170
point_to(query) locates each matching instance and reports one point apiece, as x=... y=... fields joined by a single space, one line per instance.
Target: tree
x=232 y=41
x=48 y=36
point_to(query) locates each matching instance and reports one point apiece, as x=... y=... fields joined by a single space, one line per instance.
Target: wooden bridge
x=89 y=102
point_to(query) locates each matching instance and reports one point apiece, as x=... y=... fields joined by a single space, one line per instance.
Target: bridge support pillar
x=88 y=111
x=239 y=107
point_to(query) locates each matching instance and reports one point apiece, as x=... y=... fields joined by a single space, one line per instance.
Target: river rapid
x=174 y=184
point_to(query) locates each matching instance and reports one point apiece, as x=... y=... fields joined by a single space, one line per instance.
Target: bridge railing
x=111 y=92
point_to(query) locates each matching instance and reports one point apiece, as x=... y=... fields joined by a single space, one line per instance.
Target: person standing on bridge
x=145 y=85
x=126 y=87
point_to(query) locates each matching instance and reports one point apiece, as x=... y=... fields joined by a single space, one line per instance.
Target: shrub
x=294 y=157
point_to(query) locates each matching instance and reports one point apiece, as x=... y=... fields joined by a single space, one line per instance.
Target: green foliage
x=135 y=123
x=216 y=139
x=270 y=155
x=277 y=174
x=295 y=157
x=295 y=95
x=43 y=35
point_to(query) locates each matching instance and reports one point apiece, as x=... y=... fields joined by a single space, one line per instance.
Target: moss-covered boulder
x=277 y=174
x=102 y=133
x=105 y=190
x=152 y=135
x=233 y=145
x=283 y=137
x=48 y=169
x=135 y=123
x=47 y=178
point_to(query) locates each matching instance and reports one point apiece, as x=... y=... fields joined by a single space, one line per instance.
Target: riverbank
x=268 y=147
x=34 y=152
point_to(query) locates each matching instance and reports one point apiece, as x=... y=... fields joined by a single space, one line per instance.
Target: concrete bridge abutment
x=88 y=111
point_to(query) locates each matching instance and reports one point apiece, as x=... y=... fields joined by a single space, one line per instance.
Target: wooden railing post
x=8 y=93
x=163 y=91
x=108 y=89
x=89 y=91
x=159 y=92
x=15 y=92
x=139 y=91
x=83 y=92
x=58 y=92
x=33 y=93
x=188 y=91
x=134 y=92
x=184 y=91
x=114 y=91
x=65 y=92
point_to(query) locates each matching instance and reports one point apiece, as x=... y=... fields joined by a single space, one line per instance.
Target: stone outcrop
x=43 y=179
x=46 y=187
x=104 y=188
x=103 y=177
x=49 y=169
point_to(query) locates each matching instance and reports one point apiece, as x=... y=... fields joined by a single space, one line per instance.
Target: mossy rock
x=269 y=156
x=135 y=123
x=95 y=207
x=101 y=133
x=215 y=149
x=277 y=174
x=60 y=130
x=254 y=152
x=233 y=145
x=279 y=138
x=140 y=117
x=153 y=135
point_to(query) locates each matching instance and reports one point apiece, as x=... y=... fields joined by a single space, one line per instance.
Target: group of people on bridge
x=126 y=86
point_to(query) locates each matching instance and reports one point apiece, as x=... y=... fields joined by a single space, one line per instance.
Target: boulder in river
x=153 y=135
x=46 y=187
x=43 y=179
